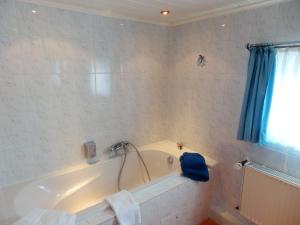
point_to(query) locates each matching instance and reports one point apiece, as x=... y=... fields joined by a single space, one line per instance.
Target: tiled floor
x=208 y=222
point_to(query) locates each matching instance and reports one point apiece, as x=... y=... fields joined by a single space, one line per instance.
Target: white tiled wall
x=68 y=77
x=205 y=102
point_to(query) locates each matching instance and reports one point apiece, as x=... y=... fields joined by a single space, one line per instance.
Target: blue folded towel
x=194 y=167
x=192 y=160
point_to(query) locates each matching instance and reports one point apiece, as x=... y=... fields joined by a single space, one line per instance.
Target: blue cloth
x=194 y=167
x=260 y=81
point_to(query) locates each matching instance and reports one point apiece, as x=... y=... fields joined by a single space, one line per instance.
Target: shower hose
x=126 y=150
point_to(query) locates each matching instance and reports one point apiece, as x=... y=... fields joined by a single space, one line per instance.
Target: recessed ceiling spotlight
x=165 y=12
x=223 y=25
x=34 y=11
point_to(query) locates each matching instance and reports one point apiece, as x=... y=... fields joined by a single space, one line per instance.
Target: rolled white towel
x=127 y=210
x=47 y=217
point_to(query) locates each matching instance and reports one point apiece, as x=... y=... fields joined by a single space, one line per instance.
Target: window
x=283 y=126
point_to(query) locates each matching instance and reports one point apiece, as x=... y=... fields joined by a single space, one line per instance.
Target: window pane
x=284 y=120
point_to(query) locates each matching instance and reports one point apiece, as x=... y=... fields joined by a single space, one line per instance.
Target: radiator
x=270 y=197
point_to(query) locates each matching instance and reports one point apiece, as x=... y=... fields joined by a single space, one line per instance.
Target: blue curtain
x=258 y=94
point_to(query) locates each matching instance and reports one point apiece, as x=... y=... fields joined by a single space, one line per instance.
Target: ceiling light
x=165 y=12
x=34 y=11
x=223 y=25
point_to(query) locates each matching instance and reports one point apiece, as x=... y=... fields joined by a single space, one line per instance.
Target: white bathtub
x=82 y=190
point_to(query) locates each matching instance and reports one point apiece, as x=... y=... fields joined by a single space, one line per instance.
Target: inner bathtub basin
x=80 y=189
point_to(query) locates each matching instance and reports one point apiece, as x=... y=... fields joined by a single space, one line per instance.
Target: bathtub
x=82 y=190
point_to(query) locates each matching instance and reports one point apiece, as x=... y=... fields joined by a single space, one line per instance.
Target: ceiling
x=182 y=11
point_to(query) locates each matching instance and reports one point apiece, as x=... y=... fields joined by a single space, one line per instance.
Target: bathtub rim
x=165 y=146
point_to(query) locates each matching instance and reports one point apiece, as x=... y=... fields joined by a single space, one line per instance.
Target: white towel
x=125 y=207
x=47 y=217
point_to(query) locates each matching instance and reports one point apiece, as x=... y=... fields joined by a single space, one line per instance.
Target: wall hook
x=201 y=61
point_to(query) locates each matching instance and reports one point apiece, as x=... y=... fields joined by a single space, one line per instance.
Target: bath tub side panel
x=186 y=204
